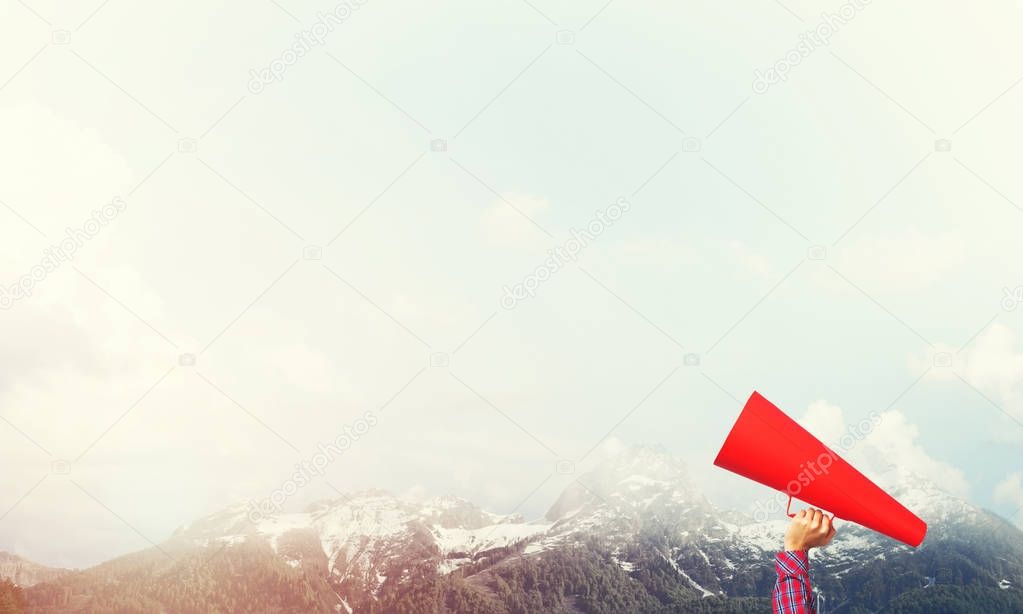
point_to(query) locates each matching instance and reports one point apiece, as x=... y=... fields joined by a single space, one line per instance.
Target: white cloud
x=992 y=363
x=612 y=447
x=894 y=440
x=1010 y=490
x=55 y=171
x=884 y=446
x=825 y=421
x=908 y=261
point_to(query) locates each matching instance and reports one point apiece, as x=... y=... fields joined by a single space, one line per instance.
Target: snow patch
x=679 y=570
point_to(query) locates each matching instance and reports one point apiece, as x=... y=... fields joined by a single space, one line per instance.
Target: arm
x=792 y=592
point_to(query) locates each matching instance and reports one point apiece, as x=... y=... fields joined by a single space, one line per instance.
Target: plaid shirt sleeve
x=792 y=592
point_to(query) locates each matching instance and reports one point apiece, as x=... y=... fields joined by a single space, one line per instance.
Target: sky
x=218 y=255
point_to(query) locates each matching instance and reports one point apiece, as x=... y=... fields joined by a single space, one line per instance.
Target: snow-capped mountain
x=635 y=527
x=368 y=532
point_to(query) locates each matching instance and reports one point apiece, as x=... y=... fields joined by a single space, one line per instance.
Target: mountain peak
x=927 y=499
x=630 y=478
x=651 y=461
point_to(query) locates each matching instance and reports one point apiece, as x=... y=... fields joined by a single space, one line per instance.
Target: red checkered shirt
x=792 y=592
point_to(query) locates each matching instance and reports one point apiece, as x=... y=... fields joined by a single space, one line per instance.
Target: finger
x=826 y=524
x=815 y=520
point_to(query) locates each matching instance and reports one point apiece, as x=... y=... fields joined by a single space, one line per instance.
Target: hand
x=810 y=528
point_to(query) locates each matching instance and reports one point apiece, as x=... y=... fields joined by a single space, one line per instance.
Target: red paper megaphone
x=767 y=446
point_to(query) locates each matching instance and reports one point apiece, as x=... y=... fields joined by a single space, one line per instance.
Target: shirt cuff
x=793 y=563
